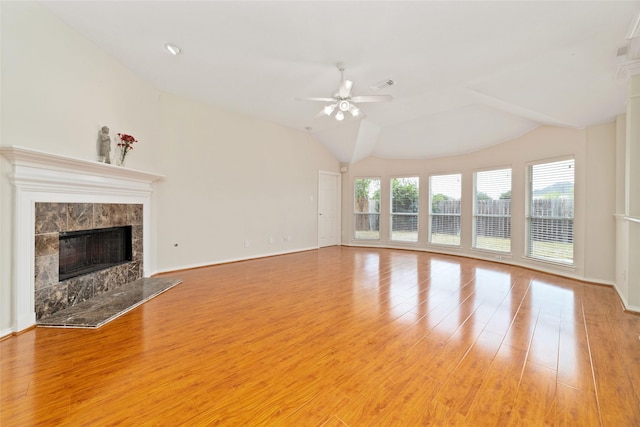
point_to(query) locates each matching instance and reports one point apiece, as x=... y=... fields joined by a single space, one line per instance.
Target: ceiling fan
x=343 y=101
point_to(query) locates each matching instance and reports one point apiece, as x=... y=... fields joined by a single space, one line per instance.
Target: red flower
x=127 y=139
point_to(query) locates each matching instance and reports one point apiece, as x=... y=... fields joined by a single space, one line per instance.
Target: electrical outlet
x=246 y=244
x=271 y=240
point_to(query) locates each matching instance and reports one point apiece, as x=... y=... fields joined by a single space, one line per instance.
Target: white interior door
x=328 y=209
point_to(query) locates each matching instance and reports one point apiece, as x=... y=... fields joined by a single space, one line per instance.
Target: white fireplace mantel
x=40 y=177
x=52 y=170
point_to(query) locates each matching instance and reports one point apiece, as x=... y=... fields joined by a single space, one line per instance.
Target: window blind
x=444 y=215
x=404 y=209
x=550 y=211
x=367 y=208
x=492 y=210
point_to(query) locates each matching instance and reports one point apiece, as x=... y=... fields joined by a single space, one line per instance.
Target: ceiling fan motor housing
x=343 y=105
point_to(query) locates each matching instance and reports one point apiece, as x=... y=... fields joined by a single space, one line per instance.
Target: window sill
x=405 y=242
x=568 y=267
x=492 y=253
x=444 y=245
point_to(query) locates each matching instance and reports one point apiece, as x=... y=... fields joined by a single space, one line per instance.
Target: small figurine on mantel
x=104 y=149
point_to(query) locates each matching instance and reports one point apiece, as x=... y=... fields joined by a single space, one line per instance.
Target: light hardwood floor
x=340 y=337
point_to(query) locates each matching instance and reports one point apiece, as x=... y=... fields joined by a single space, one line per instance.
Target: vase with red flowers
x=126 y=145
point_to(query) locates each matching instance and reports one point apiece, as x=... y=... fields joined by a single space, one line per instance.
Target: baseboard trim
x=625 y=304
x=10 y=332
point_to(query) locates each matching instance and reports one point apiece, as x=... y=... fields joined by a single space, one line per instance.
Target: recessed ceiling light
x=172 y=49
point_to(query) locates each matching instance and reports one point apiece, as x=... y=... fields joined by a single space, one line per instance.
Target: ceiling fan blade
x=316 y=99
x=372 y=98
x=345 y=89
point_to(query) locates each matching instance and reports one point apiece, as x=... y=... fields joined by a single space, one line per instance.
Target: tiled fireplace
x=53 y=294
x=53 y=194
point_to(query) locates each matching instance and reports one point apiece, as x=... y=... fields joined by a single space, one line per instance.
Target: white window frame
x=356 y=213
x=432 y=214
x=529 y=217
x=392 y=213
x=476 y=215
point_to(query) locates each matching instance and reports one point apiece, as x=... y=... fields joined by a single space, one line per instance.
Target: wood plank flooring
x=340 y=337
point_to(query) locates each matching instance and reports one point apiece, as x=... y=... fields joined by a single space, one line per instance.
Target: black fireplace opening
x=85 y=251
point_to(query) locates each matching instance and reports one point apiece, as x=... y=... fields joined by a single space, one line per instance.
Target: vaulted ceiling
x=468 y=74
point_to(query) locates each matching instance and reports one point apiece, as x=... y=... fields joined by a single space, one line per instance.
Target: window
x=367 y=208
x=404 y=209
x=550 y=211
x=492 y=210
x=444 y=217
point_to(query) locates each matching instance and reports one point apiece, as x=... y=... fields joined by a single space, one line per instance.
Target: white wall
x=594 y=152
x=233 y=180
x=58 y=89
x=600 y=242
x=223 y=171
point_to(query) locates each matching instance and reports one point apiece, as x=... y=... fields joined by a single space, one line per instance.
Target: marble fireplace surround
x=40 y=177
x=53 y=294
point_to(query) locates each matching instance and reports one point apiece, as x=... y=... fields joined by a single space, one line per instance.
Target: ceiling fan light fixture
x=344 y=105
x=339 y=116
x=328 y=109
x=355 y=111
